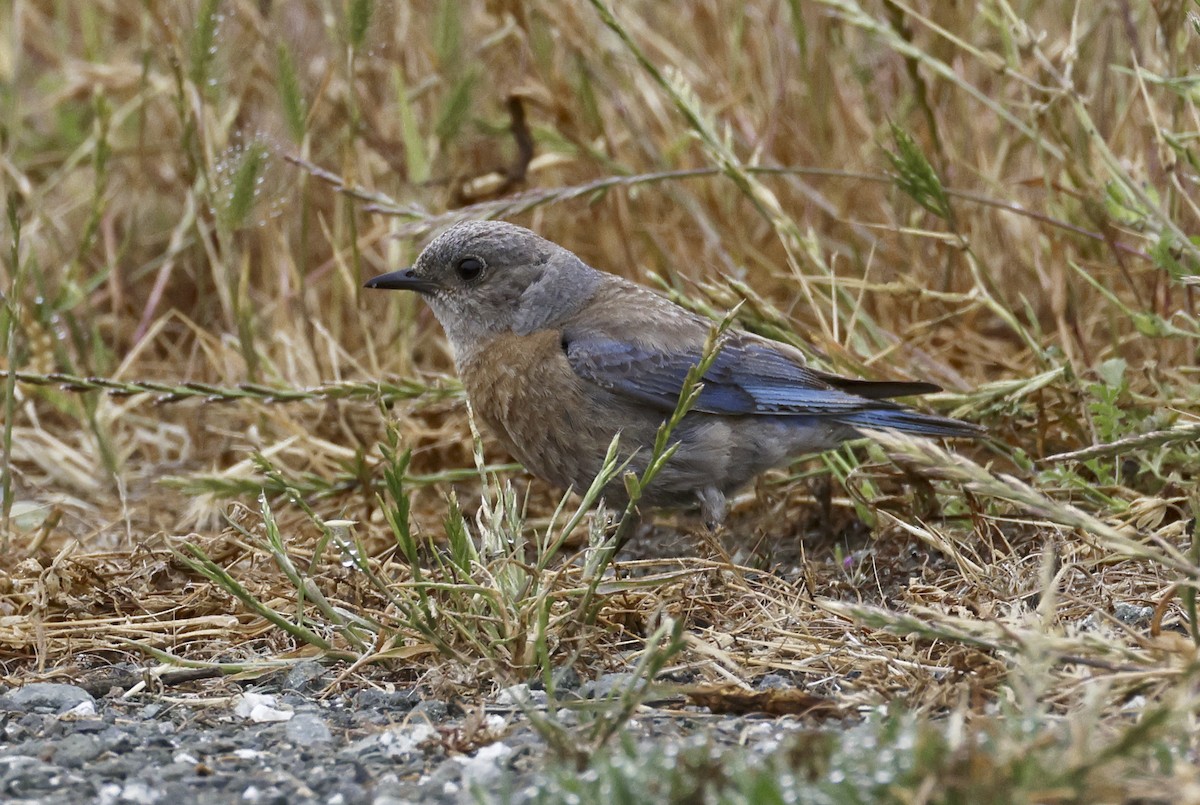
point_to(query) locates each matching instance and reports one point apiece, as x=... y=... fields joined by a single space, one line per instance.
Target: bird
x=557 y=357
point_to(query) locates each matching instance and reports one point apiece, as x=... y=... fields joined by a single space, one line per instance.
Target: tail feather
x=879 y=389
x=906 y=420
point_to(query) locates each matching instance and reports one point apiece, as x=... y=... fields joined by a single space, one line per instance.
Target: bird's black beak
x=402 y=280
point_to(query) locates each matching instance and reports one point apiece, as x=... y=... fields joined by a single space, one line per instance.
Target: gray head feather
x=494 y=277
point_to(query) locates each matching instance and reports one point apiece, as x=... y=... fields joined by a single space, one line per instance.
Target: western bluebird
x=558 y=357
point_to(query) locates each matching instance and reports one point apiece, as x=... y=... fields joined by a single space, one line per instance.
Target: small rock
x=443 y=778
x=774 y=682
x=90 y=725
x=75 y=750
x=564 y=679
x=347 y=793
x=363 y=746
x=433 y=710
x=518 y=695
x=406 y=740
x=305 y=677
x=46 y=697
x=307 y=729
x=20 y=775
x=176 y=771
x=485 y=765
x=1132 y=614
x=15 y=732
x=680 y=676
x=116 y=740
x=81 y=710
x=603 y=686
x=113 y=768
x=34 y=721
x=372 y=699
x=260 y=708
x=140 y=792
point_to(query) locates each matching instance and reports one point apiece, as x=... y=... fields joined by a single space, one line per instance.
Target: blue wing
x=749 y=376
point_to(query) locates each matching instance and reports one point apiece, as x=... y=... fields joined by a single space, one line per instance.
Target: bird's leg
x=713 y=510
x=713 y=507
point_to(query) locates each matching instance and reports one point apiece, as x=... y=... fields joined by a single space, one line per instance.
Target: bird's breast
x=525 y=391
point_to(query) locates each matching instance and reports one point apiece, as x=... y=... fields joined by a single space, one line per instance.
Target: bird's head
x=486 y=278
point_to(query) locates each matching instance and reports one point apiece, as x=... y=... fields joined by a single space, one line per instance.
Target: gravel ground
x=59 y=744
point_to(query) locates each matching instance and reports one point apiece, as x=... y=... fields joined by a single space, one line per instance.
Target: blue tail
x=906 y=420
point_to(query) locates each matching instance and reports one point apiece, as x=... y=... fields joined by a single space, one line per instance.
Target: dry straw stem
x=936 y=462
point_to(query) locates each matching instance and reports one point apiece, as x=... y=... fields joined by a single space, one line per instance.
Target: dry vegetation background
x=997 y=196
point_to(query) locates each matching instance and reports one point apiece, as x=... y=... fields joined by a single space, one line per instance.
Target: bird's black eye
x=469 y=268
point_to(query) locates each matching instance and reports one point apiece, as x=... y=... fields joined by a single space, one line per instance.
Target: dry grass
x=997 y=197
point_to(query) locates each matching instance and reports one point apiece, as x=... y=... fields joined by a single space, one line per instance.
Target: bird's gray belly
x=726 y=453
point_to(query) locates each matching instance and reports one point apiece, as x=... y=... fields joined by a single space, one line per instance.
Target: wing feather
x=747 y=377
